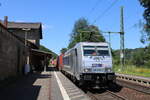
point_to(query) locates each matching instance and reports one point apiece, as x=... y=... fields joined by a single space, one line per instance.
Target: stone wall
x=12 y=54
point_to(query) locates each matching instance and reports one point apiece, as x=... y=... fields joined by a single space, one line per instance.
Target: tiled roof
x=23 y=25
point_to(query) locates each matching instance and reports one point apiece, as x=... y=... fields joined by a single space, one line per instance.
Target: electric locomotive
x=89 y=63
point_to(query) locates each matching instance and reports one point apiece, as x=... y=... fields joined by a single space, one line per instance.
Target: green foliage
x=43 y=48
x=133 y=70
x=147 y=56
x=63 y=50
x=84 y=32
x=81 y=24
x=116 y=57
x=146 y=15
x=139 y=57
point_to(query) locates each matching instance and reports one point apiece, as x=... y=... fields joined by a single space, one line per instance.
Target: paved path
x=32 y=87
x=50 y=85
x=64 y=89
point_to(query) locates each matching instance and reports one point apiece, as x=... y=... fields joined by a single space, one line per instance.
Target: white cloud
x=45 y=27
x=20 y=21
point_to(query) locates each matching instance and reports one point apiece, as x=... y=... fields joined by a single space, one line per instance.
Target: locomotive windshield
x=95 y=51
x=103 y=53
x=89 y=52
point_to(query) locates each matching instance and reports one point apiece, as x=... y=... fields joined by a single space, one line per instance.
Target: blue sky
x=59 y=16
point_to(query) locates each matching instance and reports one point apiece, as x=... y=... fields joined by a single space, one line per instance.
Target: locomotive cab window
x=89 y=50
x=95 y=51
x=89 y=53
x=102 y=52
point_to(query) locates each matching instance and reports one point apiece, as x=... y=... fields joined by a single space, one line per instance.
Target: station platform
x=63 y=89
x=35 y=86
x=47 y=85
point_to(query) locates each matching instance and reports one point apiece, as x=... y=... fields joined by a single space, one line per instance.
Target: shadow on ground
x=51 y=69
x=23 y=88
x=113 y=88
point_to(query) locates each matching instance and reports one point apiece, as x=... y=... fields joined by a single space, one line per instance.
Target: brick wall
x=12 y=54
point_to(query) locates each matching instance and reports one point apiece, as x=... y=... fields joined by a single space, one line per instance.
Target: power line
x=136 y=25
x=94 y=7
x=131 y=27
x=105 y=11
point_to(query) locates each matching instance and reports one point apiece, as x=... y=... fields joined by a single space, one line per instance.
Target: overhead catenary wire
x=136 y=25
x=94 y=7
x=105 y=11
x=131 y=27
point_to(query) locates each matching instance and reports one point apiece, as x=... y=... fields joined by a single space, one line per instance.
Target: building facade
x=29 y=31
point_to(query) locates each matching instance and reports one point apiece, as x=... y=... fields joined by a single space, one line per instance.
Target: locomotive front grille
x=94 y=77
x=111 y=77
x=87 y=77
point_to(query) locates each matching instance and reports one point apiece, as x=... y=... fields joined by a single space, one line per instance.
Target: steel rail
x=92 y=96
x=137 y=83
x=136 y=79
x=116 y=95
x=99 y=96
x=134 y=86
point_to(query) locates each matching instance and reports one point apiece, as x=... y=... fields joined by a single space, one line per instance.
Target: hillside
x=138 y=57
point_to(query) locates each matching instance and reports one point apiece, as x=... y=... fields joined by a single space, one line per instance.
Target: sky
x=58 y=18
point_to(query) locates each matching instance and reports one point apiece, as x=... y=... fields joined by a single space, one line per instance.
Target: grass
x=133 y=70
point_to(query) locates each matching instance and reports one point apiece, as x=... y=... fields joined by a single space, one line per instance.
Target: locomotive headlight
x=108 y=70
x=87 y=70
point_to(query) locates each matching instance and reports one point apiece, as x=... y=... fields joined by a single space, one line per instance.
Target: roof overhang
x=41 y=53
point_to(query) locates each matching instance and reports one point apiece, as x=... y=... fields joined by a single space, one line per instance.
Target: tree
x=80 y=25
x=147 y=56
x=84 y=32
x=63 y=50
x=43 y=48
x=94 y=34
x=146 y=15
x=138 y=57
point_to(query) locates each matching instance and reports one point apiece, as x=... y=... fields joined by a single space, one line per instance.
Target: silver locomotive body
x=89 y=63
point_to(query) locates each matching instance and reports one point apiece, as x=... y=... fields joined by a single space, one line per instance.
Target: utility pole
x=81 y=36
x=122 y=51
x=109 y=36
x=27 y=65
x=109 y=39
x=26 y=33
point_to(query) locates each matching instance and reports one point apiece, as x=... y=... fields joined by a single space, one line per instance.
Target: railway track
x=134 y=79
x=123 y=90
x=107 y=95
x=137 y=83
x=116 y=92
